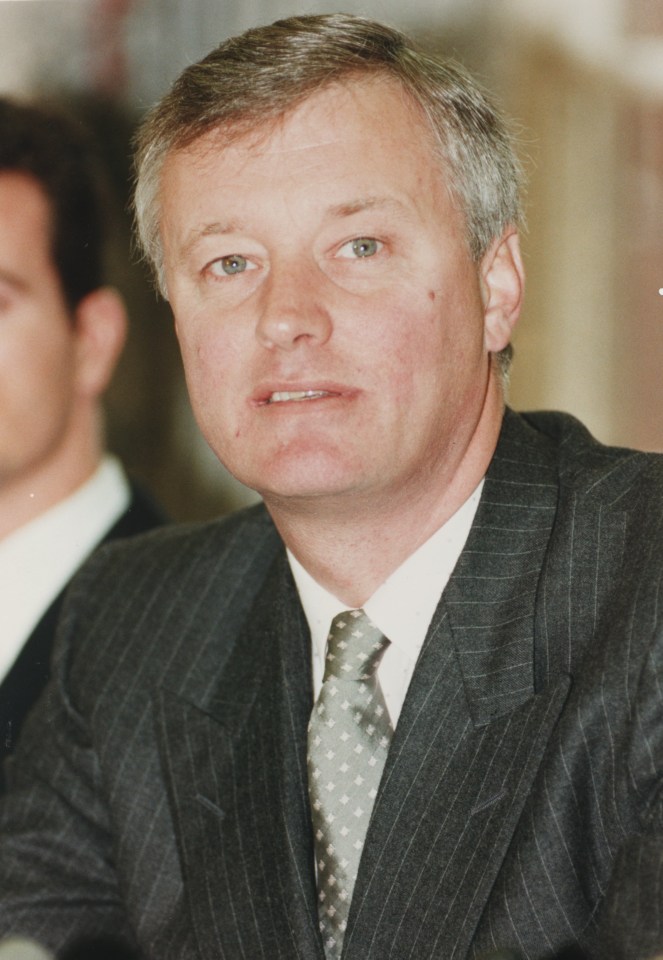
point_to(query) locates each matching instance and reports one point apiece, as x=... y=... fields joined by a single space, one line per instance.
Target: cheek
x=36 y=399
x=213 y=370
x=198 y=340
x=409 y=343
x=40 y=367
x=435 y=355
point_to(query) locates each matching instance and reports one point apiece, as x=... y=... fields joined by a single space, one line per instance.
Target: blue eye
x=235 y=263
x=365 y=247
x=360 y=248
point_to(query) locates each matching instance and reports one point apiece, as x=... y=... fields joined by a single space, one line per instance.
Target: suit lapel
x=237 y=779
x=472 y=731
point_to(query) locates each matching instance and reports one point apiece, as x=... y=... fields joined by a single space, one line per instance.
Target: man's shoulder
x=165 y=551
x=175 y=567
x=175 y=594
x=583 y=465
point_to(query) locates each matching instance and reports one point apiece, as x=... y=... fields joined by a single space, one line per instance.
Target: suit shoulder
x=590 y=468
x=179 y=590
x=172 y=545
x=170 y=566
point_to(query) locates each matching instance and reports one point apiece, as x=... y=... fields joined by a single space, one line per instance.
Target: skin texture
x=53 y=365
x=325 y=254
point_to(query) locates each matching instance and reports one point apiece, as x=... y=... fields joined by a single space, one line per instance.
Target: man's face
x=330 y=316
x=36 y=334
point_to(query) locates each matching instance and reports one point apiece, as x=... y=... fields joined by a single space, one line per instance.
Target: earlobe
x=101 y=327
x=502 y=285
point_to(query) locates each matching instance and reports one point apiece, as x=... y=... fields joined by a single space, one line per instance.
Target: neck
x=351 y=545
x=50 y=480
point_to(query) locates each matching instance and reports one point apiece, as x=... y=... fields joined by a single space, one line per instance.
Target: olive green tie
x=348 y=740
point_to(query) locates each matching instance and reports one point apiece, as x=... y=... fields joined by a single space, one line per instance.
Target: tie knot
x=354 y=647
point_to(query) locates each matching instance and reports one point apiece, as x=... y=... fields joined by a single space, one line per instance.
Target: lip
x=297 y=396
x=290 y=394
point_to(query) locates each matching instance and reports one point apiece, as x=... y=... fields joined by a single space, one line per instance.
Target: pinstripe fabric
x=99 y=750
x=520 y=804
x=248 y=898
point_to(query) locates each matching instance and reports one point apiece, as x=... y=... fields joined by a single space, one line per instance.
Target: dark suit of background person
x=61 y=333
x=342 y=345
x=30 y=672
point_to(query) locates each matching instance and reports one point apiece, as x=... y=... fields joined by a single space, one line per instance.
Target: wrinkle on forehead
x=266 y=134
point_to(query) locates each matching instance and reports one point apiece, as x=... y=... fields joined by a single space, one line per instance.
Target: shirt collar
x=403 y=606
x=39 y=558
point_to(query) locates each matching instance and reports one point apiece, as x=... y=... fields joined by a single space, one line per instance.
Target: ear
x=101 y=329
x=502 y=285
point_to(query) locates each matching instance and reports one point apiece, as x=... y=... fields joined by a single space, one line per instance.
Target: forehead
x=25 y=215
x=341 y=108
x=361 y=136
x=21 y=191
x=26 y=256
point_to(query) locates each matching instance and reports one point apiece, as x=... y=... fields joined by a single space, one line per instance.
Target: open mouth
x=296 y=396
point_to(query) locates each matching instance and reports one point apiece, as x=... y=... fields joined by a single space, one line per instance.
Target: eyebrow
x=338 y=211
x=364 y=203
x=215 y=229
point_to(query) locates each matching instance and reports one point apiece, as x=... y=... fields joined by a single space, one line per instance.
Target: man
x=61 y=332
x=469 y=764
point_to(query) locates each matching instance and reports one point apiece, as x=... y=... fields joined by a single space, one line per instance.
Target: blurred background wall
x=582 y=78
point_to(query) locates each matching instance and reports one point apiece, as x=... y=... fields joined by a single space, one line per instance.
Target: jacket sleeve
x=631 y=920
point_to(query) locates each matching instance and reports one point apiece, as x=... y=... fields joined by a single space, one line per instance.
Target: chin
x=290 y=472
x=281 y=489
x=305 y=481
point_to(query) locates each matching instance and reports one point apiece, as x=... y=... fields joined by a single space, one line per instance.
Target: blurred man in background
x=61 y=333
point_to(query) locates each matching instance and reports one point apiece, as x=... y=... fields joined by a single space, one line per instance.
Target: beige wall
x=590 y=105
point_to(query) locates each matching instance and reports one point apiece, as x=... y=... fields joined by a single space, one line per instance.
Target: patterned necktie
x=348 y=740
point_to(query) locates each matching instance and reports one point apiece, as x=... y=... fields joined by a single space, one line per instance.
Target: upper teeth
x=282 y=395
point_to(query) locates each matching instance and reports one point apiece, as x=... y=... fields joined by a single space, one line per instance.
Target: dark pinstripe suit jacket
x=161 y=789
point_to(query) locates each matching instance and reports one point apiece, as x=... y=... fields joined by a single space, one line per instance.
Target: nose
x=292 y=308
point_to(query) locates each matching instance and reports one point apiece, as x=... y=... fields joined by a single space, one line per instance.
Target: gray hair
x=259 y=75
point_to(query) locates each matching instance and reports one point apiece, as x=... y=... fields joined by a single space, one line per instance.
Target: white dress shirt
x=402 y=607
x=38 y=559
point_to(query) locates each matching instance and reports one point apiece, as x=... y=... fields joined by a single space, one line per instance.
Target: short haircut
x=258 y=76
x=48 y=145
